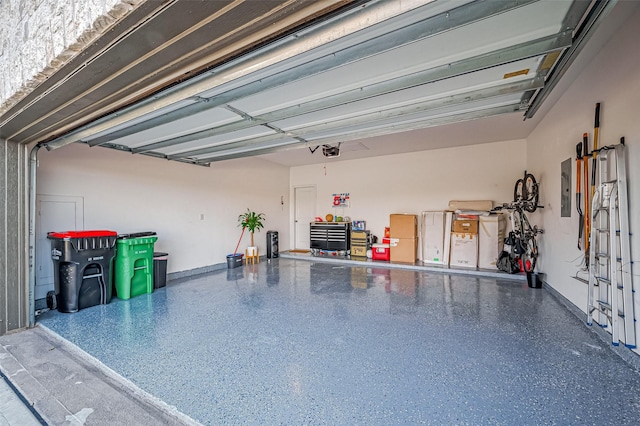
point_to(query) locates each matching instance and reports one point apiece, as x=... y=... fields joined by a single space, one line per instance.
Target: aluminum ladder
x=611 y=293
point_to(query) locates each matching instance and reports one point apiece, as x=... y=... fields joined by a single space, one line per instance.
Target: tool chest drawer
x=330 y=235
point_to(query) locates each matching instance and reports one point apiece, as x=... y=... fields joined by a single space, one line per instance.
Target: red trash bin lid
x=81 y=234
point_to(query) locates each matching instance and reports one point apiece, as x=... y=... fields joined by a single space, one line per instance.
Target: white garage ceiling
x=378 y=69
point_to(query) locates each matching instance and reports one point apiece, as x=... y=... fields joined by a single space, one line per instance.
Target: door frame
x=40 y=233
x=293 y=210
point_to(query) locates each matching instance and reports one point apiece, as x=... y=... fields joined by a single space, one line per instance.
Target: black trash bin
x=82 y=262
x=234 y=260
x=535 y=279
x=160 y=269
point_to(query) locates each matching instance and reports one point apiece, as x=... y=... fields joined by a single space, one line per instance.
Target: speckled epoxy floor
x=299 y=342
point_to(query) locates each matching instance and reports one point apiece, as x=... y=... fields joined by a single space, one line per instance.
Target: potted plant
x=253 y=222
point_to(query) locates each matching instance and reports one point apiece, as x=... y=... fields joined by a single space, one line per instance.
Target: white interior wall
x=612 y=79
x=193 y=209
x=415 y=182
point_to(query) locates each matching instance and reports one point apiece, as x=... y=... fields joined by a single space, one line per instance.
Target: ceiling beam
x=417 y=108
x=472 y=115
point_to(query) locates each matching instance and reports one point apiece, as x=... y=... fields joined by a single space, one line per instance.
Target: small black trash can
x=535 y=279
x=234 y=260
x=160 y=269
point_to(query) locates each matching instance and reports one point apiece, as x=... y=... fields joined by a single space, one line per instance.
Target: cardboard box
x=478 y=205
x=464 y=250
x=403 y=226
x=468 y=215
x=433 y=232
x=448 y=223
x=359 y=237
x=491 y=233
x=380 y=252
x=404 y=250
x=465 y=226
x=358 y=251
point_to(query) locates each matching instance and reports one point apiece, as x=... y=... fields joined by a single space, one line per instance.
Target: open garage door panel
x=158 y=44
x=374 y=68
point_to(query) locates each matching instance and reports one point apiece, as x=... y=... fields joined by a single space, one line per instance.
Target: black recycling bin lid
x=159 y=254
x=67 y=235
x=136 y=235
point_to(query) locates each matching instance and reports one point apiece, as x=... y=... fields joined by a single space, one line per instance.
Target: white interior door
x=54 y=214
x=305 y=212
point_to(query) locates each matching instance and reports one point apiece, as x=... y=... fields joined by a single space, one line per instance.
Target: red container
x=386 y=240
x=380 y=252
x=80 y=234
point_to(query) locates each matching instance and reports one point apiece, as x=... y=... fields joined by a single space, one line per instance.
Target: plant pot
x=252 y=251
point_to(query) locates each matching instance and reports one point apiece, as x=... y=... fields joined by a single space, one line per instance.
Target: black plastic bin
x=82 y=262
x=234 y=260
x=535 y=279
x=160 y=269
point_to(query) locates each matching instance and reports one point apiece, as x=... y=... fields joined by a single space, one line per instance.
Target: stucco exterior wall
x=37 y=37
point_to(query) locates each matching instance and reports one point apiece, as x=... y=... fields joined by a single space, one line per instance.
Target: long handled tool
x=586 y=210
x=238 y=245
x=579 y=193
x=594 y=153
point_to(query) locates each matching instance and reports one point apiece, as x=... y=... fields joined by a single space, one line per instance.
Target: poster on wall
x=565 y=188
x=341 y=200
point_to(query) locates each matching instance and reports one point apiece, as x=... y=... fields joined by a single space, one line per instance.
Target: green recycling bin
x=134 y=264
